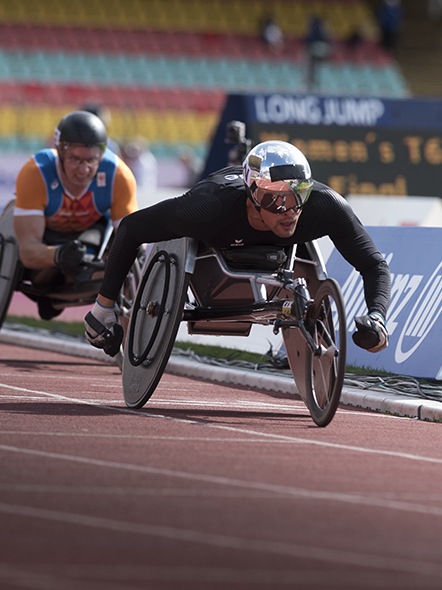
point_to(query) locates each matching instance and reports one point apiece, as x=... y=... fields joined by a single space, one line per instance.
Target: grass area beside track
x=361 y=376
x=216 y=352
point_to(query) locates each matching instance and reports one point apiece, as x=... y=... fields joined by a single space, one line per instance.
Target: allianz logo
x=416 y=304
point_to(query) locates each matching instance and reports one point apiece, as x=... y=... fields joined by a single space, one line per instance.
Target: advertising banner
x=414 y=320
x=356 y=145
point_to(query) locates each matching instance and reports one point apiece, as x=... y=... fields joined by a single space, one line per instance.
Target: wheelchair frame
x=79 y=290
x=185 y=280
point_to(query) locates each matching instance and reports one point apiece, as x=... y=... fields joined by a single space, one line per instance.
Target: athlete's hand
x=103 y=330
x=69 y=257
x=371 y=332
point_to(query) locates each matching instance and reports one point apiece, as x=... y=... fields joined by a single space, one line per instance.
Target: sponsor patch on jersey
x=238 y=243
x=54 y=184
x=101 y=179
x=73 y=216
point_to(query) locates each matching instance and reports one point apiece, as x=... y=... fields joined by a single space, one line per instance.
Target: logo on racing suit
x=73 y=216
x=101 y=179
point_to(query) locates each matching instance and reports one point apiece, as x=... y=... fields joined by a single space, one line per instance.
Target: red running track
x=206 y=487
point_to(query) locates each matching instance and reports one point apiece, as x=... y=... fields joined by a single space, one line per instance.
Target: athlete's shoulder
x=327 y=205
x=45 y=157
x=322 y=193
x=230 y=176
x=109 y=159
x=42 y=161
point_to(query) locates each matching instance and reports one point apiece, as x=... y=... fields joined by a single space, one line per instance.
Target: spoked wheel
x=10 y=267
x=324 y=372
x=155 y=320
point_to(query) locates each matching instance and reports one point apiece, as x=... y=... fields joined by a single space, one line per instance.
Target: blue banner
x=414 y=320
x=343 y=111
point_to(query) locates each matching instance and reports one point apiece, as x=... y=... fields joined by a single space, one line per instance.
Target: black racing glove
x=103 y=330
x=69 y=257
x=371 y=332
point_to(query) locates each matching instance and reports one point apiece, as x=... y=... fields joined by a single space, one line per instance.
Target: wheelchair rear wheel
x=324 y=373
x=10 y=266
x=155 y=319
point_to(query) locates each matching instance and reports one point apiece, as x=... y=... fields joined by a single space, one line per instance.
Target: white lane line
x=86 y=434
x=243 y=405
x=294 y=404
x=169 y=386
x=268 y=435
x=230 y=542
x=298 y=493
x=412 y=498
x=153 y=492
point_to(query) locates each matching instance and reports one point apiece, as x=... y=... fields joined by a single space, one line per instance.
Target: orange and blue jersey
x=39 y=191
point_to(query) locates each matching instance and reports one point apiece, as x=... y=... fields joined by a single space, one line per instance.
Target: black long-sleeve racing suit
x=214 y=211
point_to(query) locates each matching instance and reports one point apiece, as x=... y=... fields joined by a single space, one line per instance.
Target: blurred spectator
x=104 y=114
x=241 y=145
x=272 y=35
x=318 y=44
x=390 y=16
x=354 y=40
x=142 y=162
x=193 y=167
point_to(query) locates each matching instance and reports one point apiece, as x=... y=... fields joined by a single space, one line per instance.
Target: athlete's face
x=80 y=166
x=283 y=225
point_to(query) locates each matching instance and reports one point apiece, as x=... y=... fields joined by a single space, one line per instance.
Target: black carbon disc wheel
x=155 y=319
x=325 y=372
x=125 y=302
x=10 y=267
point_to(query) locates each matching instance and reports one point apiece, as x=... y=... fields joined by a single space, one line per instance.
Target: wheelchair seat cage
x=185 y=280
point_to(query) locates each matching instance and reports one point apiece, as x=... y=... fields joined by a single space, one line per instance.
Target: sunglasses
x=278 y=204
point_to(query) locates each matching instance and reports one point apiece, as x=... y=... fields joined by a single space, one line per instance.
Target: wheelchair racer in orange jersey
x=62 y=192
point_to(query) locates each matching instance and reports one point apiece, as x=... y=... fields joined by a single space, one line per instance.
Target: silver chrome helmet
x=275 y=171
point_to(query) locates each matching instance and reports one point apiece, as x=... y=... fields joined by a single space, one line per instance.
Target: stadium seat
x=164 y=67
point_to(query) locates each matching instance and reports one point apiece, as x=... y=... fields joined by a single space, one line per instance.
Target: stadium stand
x=165 y=67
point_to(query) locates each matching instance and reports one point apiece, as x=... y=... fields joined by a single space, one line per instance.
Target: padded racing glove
x=69 y=257
x=103 y=330
x=371 y=332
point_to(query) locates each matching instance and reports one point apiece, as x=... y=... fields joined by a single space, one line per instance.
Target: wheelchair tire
x=325 y=373
x=155 y=319
x=10 y=266
x=125 y=304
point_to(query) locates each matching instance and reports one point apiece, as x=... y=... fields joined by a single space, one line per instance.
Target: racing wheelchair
x=48 y=286
x=225 y=293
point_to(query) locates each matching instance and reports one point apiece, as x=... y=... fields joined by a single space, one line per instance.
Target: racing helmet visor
x=279 y=197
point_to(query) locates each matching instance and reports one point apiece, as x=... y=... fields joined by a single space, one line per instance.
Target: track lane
x=206 y=486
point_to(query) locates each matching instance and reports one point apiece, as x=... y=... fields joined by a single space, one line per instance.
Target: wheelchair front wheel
x=155 y=319
x=125 y=303
x=10 y=266
x=325 y=371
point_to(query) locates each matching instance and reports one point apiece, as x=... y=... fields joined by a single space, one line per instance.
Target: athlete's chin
x=285 y=231
x=81 y=184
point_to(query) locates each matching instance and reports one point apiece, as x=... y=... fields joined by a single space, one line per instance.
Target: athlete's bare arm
x=29 y=230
